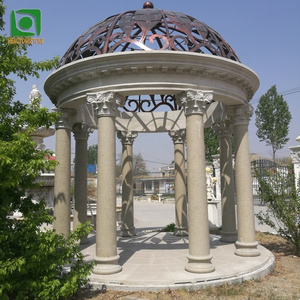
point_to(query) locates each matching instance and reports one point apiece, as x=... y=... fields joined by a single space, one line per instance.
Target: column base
x=181 y=231
x=228 y=236
x=127 y=232
x=199 y=264
x=246 y=249
x=107 y=265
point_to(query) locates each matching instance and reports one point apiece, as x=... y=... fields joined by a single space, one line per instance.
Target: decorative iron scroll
x=149 y=29
x=149 y=105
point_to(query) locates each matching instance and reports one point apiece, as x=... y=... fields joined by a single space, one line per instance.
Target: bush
x=36 y=263
x=169 y=228
x=278 y=192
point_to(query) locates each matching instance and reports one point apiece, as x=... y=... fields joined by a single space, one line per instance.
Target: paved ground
x=155 y=260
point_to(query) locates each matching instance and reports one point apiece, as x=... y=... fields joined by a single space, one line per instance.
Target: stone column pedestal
x=199 y=257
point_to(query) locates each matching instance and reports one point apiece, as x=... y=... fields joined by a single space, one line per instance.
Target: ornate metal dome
x=149 y=29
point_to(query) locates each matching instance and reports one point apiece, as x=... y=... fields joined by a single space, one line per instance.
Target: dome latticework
x=149 y=29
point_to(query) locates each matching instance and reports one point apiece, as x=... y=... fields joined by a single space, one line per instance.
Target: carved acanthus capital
x=178 y=136
x=127 y=137
x=81 y=131
x=106 y=103
x=194 y=101
x=240 y=114
x=66 y=118
x=223 y=128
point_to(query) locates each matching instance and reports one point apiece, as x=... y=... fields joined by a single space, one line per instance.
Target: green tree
x=139 y=165
x=272 y=120
x=32 y=260
x=92 y=154
x=211 y=141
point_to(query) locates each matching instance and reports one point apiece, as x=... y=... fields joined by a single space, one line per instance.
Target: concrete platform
x=153 y=261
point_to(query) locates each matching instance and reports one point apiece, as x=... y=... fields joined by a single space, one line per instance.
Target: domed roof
x=148 y=29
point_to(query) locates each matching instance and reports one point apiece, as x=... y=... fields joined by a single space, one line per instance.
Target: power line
x=284 y=93
x=157 y=162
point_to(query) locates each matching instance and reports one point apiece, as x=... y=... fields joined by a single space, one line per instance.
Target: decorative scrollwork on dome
x=142 y=104
x=149 y=29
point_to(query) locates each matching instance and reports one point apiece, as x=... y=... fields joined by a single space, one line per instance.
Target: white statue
x=35 y=94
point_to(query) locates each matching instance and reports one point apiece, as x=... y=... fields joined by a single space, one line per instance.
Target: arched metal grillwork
x=142 y=103
x=149 y=29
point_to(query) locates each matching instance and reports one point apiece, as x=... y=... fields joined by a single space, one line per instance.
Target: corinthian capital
x=127 y=137
x=178 y=136
x=240 y=114
x=194 y=101
x=105 y=103
x=66 y=118
x=81 y=131
x=223 y=128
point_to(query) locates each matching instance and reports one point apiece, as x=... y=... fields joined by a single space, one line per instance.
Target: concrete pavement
x=154 y=260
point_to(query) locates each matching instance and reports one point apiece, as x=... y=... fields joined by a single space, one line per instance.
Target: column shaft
x=181 y=221
x=199 y=257
x=80 y=179
x=246 y=244
x=127 y=228
x=106 y=232
x=229 y=232
x=62 y=184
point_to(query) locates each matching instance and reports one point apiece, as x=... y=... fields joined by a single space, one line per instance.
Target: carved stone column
x=199 y=257
x=127 y=139
x=81 y=134
x=181 y=223
x=62 y=181
x=229 y=232
x=106 y=104
x=246 y=244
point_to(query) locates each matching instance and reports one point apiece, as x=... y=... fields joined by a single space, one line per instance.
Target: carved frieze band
x=66 y=118
x=127 y=137
x=194 y=101
x=178 y=136
x=240 y=114
x=105 y=103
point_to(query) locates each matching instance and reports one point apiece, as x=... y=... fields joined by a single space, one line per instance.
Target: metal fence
x=263 y=166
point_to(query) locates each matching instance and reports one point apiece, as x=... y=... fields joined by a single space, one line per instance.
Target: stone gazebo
x=154 y=70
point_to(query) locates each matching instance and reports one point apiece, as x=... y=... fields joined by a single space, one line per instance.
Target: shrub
x=36 y=263
x=278 y=192
x=169 y=228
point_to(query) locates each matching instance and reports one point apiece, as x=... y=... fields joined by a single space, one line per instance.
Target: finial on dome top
x=148 y=4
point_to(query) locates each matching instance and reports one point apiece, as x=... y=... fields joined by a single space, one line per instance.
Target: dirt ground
x=282 y=283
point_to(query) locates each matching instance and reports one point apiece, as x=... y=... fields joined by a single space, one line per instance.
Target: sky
x=265 y=34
